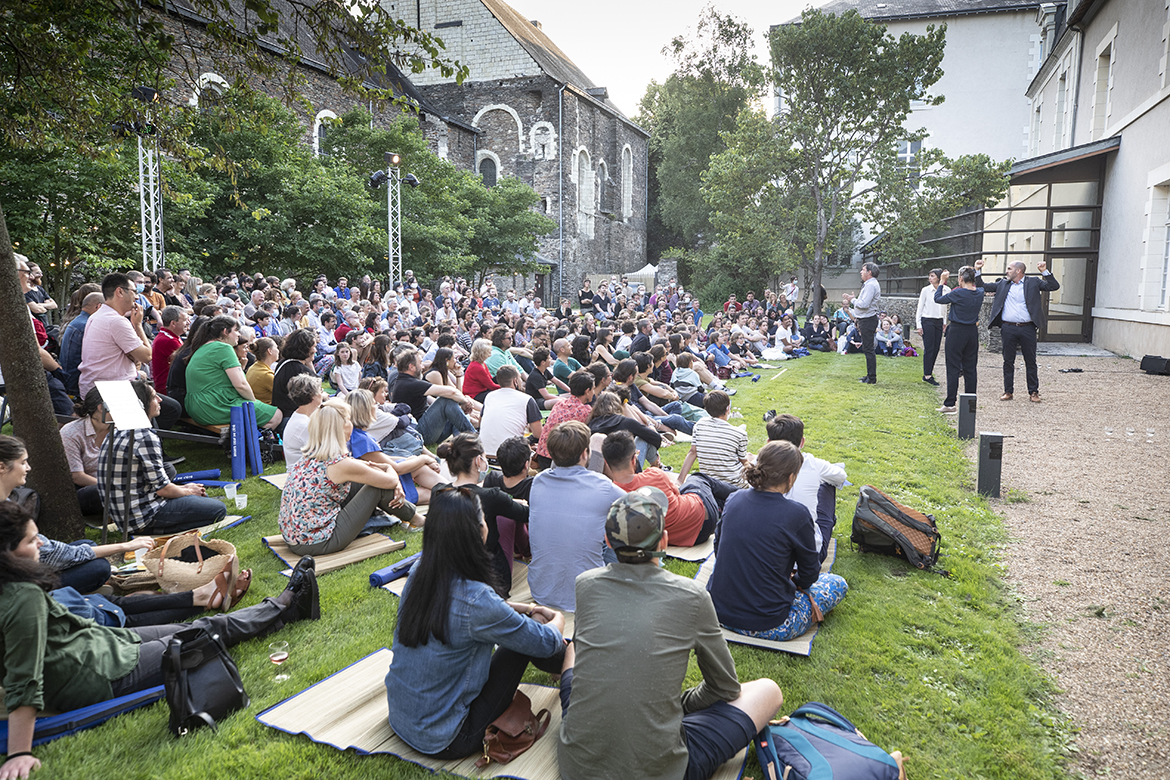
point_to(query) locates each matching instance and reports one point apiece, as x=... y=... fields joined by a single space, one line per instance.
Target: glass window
x=487 y=169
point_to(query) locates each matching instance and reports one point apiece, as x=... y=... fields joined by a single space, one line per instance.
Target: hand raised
x=1042 y=266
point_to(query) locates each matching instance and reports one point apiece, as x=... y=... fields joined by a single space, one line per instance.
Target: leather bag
x=513 y=732
x=202 y=682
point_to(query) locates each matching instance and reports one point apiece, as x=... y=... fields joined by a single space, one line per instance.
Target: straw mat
x=700 y=552
x=348 y=711
x=802 y=645
x=360 y=550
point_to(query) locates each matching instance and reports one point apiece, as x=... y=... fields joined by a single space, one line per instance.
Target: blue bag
x=818 y=743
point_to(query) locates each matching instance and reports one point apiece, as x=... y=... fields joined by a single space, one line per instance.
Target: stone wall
x=906 y=308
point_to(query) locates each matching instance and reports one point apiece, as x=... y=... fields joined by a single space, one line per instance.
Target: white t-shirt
x=296 y=436
x=813 y=474
x=506 y=413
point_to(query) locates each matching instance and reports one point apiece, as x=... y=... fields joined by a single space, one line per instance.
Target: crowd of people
x=550 y=423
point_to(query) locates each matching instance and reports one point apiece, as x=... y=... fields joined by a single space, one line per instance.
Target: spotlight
x=377 y=179
x=412 y=180
x=393 y=159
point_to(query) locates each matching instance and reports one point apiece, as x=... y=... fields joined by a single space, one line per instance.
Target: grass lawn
x=921 y=663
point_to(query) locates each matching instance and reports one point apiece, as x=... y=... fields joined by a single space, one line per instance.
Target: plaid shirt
x=569 y=408
x=143 y=470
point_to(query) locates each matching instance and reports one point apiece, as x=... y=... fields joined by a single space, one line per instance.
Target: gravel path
x=1087 y=507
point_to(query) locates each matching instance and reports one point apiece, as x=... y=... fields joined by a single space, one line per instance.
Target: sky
x=618 y=43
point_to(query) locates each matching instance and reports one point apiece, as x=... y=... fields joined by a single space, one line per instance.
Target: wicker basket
x=174 y=575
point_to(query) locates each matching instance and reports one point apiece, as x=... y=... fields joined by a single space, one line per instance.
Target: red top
x=341 y=332
x=165 y=345
x=477 y=379
x=732 y=307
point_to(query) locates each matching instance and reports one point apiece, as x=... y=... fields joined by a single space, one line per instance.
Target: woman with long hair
x=347 y=372
x=962 y=351
x=609 y=415
x=376 y=360
x=76 y=300
x=761 y=538
x=580 y=349
x=54 y=660
x=365 y=443
x=215 y=380
x=445 y=684
x=603 y=349
x=330 y=497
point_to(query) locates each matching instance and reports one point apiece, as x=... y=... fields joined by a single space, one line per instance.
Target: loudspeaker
x=1152 y=364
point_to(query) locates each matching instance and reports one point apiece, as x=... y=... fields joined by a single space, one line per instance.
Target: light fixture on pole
x=149 y=185
x=393 y=179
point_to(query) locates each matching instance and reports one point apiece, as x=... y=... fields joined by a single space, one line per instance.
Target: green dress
x=210 y=393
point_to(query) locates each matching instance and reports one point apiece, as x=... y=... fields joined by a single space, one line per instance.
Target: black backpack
x=202 y=682
x=882 y=525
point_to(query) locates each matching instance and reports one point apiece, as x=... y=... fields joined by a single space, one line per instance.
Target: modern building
x=539 y=118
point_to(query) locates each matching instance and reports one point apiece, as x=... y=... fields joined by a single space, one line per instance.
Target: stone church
x=540 y=119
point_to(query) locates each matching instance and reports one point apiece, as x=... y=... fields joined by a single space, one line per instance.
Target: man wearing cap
x=636 y=625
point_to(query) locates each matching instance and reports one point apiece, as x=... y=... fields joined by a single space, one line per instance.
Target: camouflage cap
x=636 y=522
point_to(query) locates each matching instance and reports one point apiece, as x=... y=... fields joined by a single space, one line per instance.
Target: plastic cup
x=229 y=490
x=241 y=501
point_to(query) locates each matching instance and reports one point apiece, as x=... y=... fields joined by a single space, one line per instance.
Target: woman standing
x=762 y=537
x=931 y=319
x=445 y=684
x=216 y=381
x=966 y=301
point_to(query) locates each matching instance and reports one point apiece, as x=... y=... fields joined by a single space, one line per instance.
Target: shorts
x=714 y=735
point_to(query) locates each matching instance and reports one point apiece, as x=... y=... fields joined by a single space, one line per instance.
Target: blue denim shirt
x=430 y=687
x=71 y=350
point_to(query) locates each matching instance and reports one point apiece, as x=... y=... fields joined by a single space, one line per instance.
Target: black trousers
x=932 y=333
x=868 y=328
x=962 y=358
x=1022 y=338
x=504 y=675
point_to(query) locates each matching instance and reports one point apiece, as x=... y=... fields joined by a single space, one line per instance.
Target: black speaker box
x=1153 y=364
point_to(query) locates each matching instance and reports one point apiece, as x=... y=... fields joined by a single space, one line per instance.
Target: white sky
x=618 y=43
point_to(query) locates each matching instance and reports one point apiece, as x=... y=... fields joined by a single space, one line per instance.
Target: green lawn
x=924 y=664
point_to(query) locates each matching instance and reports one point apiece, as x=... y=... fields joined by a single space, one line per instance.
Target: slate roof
x=913 y=9
x=547 y=54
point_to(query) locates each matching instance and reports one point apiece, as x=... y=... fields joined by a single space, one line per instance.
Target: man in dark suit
x=1018 y=313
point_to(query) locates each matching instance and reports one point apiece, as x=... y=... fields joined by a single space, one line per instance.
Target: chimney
x=536 y=24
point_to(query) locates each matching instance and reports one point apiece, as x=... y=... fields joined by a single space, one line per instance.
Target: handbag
x=513 y=732
x=818 y=743
x=201 y=680
x=174 y=574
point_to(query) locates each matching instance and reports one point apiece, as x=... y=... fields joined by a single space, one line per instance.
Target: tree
x=68 y=68
x=505 y=230
x=847 y=89
x=716 y=76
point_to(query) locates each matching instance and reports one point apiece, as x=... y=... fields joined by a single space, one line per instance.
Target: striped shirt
x=721 y=449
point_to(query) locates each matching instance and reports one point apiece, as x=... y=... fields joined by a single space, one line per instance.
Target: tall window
x=321 y=131
x=487 y=169
x=1103 y=86
x=908 y=152
x=1061 y=107
x=1165 y=297
x=627 y=183
x=602 y=189
x=209 y=91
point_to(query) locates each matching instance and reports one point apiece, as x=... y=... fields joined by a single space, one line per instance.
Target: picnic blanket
x=50 y=726
x=801 y=645
x=360 y=550
x=348 y=711
x=700 y=552
x=520 y=591
x=276 y=480
x=230 y=521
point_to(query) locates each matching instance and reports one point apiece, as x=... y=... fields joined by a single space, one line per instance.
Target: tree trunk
x=32 y=409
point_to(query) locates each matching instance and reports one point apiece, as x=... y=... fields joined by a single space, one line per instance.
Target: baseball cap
x=635 y=523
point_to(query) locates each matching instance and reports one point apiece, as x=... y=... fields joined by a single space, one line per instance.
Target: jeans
x=673 y=418
x=184 y=513
x=714 y=493
x=868 y=328
x=645 y=451
x=826 y=518
x=526 y=364
x=62 y=404
x=443 y=419
x=169 y=413
x=85 y=577
x=90 y=500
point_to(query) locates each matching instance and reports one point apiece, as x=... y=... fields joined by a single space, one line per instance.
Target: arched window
x=321 y=131
x=487 y=170
x=602 y=190
x=627 y=182
x=208 y=91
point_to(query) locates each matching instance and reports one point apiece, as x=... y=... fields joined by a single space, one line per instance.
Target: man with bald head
x=71 y=339
x=1019 y=313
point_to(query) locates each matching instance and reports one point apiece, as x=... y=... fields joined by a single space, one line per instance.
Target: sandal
x=225 y=585
x=243 y=582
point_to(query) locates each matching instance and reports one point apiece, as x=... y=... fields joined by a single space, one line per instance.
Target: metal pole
x=394 y=230
x=150 y=205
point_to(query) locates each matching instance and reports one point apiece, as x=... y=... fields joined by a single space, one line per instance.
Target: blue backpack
x=818 y=743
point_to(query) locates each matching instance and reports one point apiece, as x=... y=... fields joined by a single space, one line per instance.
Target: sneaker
x=730 y=390
x=930 y=380
x=665 y=467
x=947 y=410
x=769 y=415
x=735 y=415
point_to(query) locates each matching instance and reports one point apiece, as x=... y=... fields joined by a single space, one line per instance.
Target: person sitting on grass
x=422 y=468
x=347 y=372
x=446 y=413
x=305 y=391
x=330 y=497
x=53 y=659
x=816 y=485
x=573 y=406
x=610 y=414
x=719 y=447
x=538 y=380
x=693 y=509
x=466 y=461
x=888 y=342
x=636 y=625
x=762 y=537
x=460 y=650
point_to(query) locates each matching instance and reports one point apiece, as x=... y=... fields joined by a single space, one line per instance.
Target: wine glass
x=278 y=654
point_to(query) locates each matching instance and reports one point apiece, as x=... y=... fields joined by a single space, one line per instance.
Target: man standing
x=932 y=323
x=792 y=292
x=40 y=303
x=1018 y=312
x=865 y=311
x=636 y=626
x=566 y=524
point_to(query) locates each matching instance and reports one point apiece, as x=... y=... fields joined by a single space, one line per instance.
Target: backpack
x=882 y=525
x=818 y=743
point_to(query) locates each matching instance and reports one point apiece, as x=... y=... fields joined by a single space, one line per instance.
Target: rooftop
x=921 y=9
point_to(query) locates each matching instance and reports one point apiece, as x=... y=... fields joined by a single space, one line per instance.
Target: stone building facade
x=538 y=118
